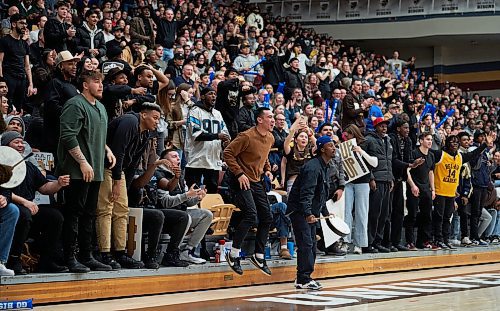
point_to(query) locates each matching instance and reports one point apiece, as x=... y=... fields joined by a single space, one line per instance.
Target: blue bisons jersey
x=203 y=148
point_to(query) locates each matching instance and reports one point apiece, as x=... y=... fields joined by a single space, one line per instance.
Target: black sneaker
x=127 y=262
x=450 y=246
x=150 y=262
x=402 y=248
x=442 y=245
x=261 y=264
x=370 y=250
x=94 y=264
x=393 y=249
x=107 y=259
x=336 y=249
x=382 y=249
x=15 y=264
x=76 y=267
x=171 y=259
x=234 y=263
x=51 y=267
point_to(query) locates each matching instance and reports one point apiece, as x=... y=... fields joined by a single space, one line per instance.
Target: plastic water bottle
x=217 y=253
x=222 y=248
x=267 y=254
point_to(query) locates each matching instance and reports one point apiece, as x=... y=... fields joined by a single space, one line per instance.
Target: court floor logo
x=342 y=297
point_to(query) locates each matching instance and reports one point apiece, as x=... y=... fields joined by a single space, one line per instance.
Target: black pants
x=478 y=200
x=255 y=208
x=443 y=209
x=305 y=238
x=169 y=221
x=464 y=213
x=80 y=202
x=18 y=87
x=46 y=227
x=420 y=216
x=210 y=178
x=378 y=213
x=394 y=223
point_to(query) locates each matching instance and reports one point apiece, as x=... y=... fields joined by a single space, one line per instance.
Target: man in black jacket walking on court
x=307 y=200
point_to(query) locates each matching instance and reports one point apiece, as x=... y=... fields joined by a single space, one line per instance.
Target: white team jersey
x=204 y=153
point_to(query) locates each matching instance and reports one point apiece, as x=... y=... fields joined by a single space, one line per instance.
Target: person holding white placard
x=360 y=190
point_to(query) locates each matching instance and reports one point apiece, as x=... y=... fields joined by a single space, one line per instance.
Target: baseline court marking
x=374 y=293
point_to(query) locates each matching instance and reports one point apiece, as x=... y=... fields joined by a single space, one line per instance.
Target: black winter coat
x=382 y=149
x=58 y=91
x=83 y=42
x=273 y=68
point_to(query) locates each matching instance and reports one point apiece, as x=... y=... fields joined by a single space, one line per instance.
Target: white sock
x=260 y=256
x=235 y=252
x=284 y=246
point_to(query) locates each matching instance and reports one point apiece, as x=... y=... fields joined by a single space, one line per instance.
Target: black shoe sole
x=79 y=270
x=239 y=272
x=257 y=266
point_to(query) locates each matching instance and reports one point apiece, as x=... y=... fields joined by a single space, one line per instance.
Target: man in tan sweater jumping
x=247 y=159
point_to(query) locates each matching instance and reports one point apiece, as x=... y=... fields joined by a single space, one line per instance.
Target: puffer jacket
x=83 y=40
x=381 y=148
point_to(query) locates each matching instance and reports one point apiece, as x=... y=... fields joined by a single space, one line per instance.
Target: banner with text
x=323 y=10
x=417 y=7
x=353 y=9
x=296 y=10
x=354 y=166
x=482 y=5
x=273 y=8
x=449 y=6
x=383 y=8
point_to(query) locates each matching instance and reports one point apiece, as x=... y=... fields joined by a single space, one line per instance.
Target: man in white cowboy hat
x=59 y=90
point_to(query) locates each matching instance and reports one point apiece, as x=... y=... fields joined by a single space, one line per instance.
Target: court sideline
x=240 y=298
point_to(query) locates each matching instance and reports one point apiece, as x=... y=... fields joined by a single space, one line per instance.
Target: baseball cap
x=380 y=120
x=323 y=140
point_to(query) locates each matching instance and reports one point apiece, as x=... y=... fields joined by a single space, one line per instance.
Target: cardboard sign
x=354 y=166
x=45 y=160
x=134 y=233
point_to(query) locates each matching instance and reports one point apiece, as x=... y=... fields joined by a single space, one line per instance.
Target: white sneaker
x=357 y=250
x=455 y=242
x=310 y=285
x=466 y=241
x=5 y=272
x=186 y=256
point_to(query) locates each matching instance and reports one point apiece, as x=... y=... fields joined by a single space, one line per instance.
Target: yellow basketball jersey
x=447 y=174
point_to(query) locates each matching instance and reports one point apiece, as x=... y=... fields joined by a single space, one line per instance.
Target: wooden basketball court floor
x=465 y=288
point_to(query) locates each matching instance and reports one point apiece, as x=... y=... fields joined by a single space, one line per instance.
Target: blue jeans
x=361 y=192
x=455 y=226
x=281 y=221
x=8 y=220
x=494 y=224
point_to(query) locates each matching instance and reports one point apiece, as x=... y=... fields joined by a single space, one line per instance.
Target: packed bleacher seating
x=155 y=104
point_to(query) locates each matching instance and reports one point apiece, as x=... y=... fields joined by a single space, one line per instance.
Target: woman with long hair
x=164 y=99
x=359 y=189
x=296 y=155
x=177 y=117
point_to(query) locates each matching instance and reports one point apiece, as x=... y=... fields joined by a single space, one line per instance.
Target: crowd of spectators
x=137 y=100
